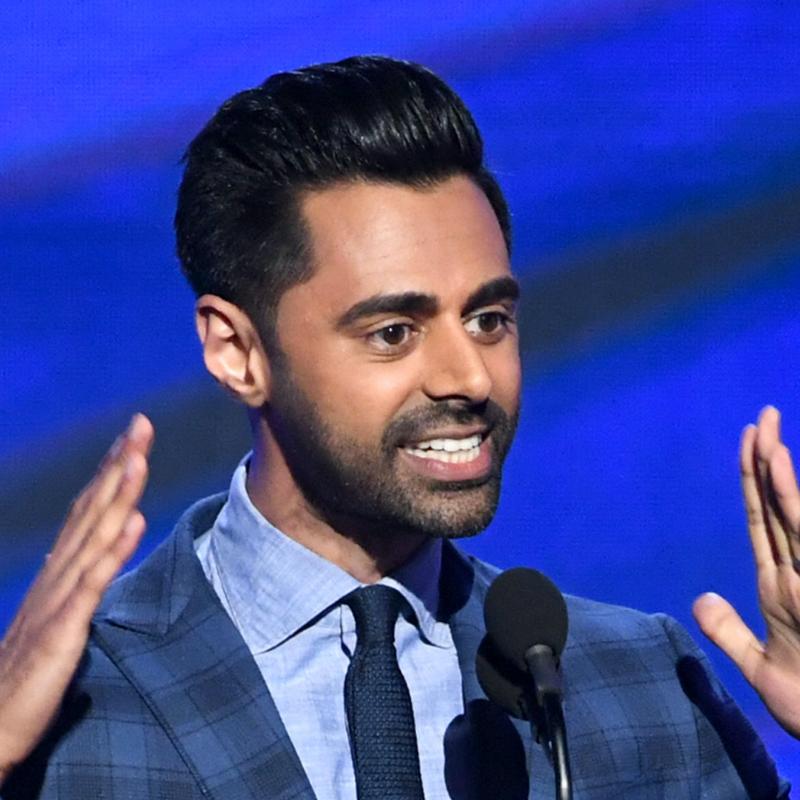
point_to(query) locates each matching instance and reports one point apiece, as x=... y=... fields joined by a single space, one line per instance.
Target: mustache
x=415 y=424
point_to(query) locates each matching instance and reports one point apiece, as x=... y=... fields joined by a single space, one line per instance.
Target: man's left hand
x=772 y=501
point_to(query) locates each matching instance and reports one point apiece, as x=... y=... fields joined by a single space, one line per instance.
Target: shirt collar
x=274 y=586
x=418 y=581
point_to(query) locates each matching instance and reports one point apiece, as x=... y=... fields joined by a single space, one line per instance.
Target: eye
x=491 y=325
x=392 y=337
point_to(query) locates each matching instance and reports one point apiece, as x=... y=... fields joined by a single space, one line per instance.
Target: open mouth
x=449 y=450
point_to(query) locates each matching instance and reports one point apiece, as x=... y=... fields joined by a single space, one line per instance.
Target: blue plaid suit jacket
x=169 y=704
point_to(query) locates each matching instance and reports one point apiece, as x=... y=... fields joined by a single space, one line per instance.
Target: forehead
x=370 y=238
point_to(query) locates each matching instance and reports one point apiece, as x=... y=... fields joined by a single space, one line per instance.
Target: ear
x=232 y=350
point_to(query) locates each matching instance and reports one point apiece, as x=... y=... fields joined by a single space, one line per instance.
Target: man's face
x=395 y=397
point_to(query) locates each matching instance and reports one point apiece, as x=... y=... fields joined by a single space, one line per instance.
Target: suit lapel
x=166 y=631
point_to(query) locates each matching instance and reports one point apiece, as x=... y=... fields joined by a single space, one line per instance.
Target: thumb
x=721 y=623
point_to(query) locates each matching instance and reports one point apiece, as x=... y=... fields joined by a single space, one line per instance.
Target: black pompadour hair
x=239 y=226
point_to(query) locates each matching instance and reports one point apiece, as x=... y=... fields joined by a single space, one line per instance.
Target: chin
x=462 y=514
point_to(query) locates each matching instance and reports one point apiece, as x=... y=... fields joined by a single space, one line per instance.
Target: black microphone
x=517 y=662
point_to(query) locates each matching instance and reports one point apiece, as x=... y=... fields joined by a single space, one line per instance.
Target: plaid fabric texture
x=168 y=704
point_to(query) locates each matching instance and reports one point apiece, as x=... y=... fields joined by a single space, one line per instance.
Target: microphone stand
x=547 y=692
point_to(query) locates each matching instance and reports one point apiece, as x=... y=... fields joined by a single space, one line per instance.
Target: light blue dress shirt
x=285 y=601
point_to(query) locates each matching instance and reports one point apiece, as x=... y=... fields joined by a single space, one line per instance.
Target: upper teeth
x=449 y=445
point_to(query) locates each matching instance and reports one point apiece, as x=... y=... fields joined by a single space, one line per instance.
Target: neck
x=352 y=544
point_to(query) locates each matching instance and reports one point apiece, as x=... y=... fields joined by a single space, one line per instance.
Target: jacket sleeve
x=725 y=736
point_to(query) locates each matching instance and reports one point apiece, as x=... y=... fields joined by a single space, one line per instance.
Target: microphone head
x=524 y=608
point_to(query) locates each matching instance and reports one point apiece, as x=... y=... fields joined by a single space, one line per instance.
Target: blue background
x=650 y=154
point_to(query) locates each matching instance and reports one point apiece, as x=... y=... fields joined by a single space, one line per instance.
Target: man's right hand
x=41 y=650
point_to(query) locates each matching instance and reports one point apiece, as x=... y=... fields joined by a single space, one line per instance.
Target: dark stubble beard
x=351 y=484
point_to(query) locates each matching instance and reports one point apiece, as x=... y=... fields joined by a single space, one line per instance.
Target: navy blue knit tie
x=380 y=719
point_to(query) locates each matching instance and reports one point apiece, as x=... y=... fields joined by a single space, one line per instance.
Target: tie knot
x=375 y=609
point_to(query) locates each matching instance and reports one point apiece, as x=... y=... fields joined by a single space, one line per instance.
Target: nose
x=455 y=367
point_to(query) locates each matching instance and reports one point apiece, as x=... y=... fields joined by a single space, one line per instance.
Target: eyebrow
x=505 y=288
x=411 y=303
x=426 y=305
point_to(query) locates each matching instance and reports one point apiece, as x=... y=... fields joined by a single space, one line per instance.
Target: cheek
x=362 y=399
x=506 y=370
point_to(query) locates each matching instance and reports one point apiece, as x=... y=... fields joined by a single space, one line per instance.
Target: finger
x=84 y=517
x=109 y=527
x=787 y=496
x=780 y=494
x=103 y=491
x=767 y=441
x=88 y=591
x=720 y=622
x=141 y=434
x=60 y=634
x=763 y=550
x=92 y=501
x=137 y=438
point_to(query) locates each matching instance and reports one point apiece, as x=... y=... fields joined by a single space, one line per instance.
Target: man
x=350 y=254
